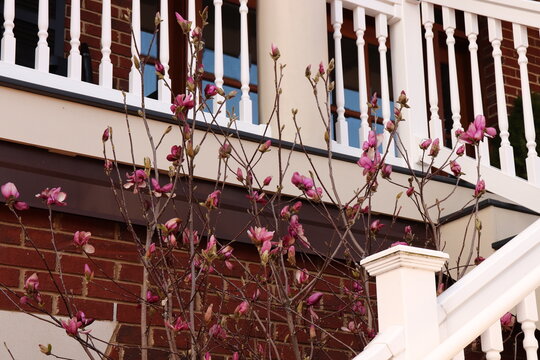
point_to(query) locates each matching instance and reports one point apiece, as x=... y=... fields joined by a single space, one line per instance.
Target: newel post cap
x=402 y=256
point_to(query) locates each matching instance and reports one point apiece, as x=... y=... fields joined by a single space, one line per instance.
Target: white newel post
x=408 y=75
x=406 y=296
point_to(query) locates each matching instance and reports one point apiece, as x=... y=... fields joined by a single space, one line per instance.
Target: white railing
x=397 y=22
x=524 y=16
x=103 y=90
x=425 y=327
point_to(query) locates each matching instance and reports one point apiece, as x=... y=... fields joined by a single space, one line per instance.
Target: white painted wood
x=471 y=30
x=164 y=93
x=521 y=42
x=8 y=38
x=428 y=18
x=192 y=16
x=459 y=356
x=449 y=25
x=381 y=32
x=42 y=50
x=492 y=342
x=408 y=75
x=246 y=113
x=476 y=301
x=336 y=19
x=359 y=20
x=75 y=58
x=405 y=289
x=105 y=66
x=506 y=152
x=218 y=52
x=527 y=316
x=135 y=82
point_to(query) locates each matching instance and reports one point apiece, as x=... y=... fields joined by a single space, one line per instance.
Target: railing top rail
x=373 y=7
x=525 y=12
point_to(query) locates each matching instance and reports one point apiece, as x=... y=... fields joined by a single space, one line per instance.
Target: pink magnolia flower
x=358 y=307
x=507 y=320
x=435 y=148
x=314 y=194
x=314 y=298
x=106 y=134
x=211 y=247
x=9 y=191
x=172 y=224
x=373 y=102
x=274 y=52
x=225 y=150
x=81 y=317
x=186 y=235
x=210 y=90
x=32 y=283
x=369 y=162
x=81 y=239
x=239 y=175
x=182 y=103
x=264 y=251
x=301 y=182
x=176 y=155
x=480 y=188
x=267 y=180
x=151 y=298
x=159 y=190
x=207 y=356
x=257 y=197
x=218 y=332
x=54 y=196
x=291 y=255
x=136 y=180
x=72 y=326
x=476 y=131
x=242 y=308
x=296 y=230
x=460 y=150
x=107 y=166
x=212 y=200
x=236 y=356
x=376 y=226
x=371 y=142
x=390 y=125
x=386 y=171
x=425 y=144
x=88 y=273
x=178 y=325
x=398 y=243
x=264 y=147
x=321 y=68
x=301 y=276
x=185 y=25
x=259 y=235
x=160 y=69
x=20 y=205
x=455 y=168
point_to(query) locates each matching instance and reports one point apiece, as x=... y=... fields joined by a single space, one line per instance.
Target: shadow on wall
x=517 y=135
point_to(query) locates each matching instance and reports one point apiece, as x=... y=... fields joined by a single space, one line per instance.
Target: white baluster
x=381 y=32
x=218 y=53
x=8 y=38
x=342 y=130
x=42 y=49
x=105 y=66
x=506 y=152
x=471 y=30
x=435 y=125
x=449 y=25
x=75 y=58
x=359 y=18
x=492 y=343
x=245 y=102
x=521 y=42
x=164 y=93
x=527 y=316
x=135 y=82
x=192 y=17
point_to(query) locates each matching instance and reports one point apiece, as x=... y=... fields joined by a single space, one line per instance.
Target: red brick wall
x=116 y=256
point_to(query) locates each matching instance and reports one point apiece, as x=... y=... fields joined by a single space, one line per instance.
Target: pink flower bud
x=210 y=90
x=460 y=150
x=314 y=298
x=321 y=68
x=435 y=148
x=425 y=144
x=20 y=205
x=386 y=171
x=267 y=180
x=264 y=147
x=160 y=69
x=301 y=276
x=274 y=52
x=455 y=168
x=106 y=134
x=479 y=260
x=239 y=175
x=88 y=273
x=410 y=191
x=376 y=226
x=390 y=126
x=242 y=308
x=480 y=188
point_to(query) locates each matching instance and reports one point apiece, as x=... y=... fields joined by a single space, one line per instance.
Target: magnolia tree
x=277 y=309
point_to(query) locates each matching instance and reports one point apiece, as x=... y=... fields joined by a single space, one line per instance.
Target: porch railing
x=103 y=90
x=415 y=324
